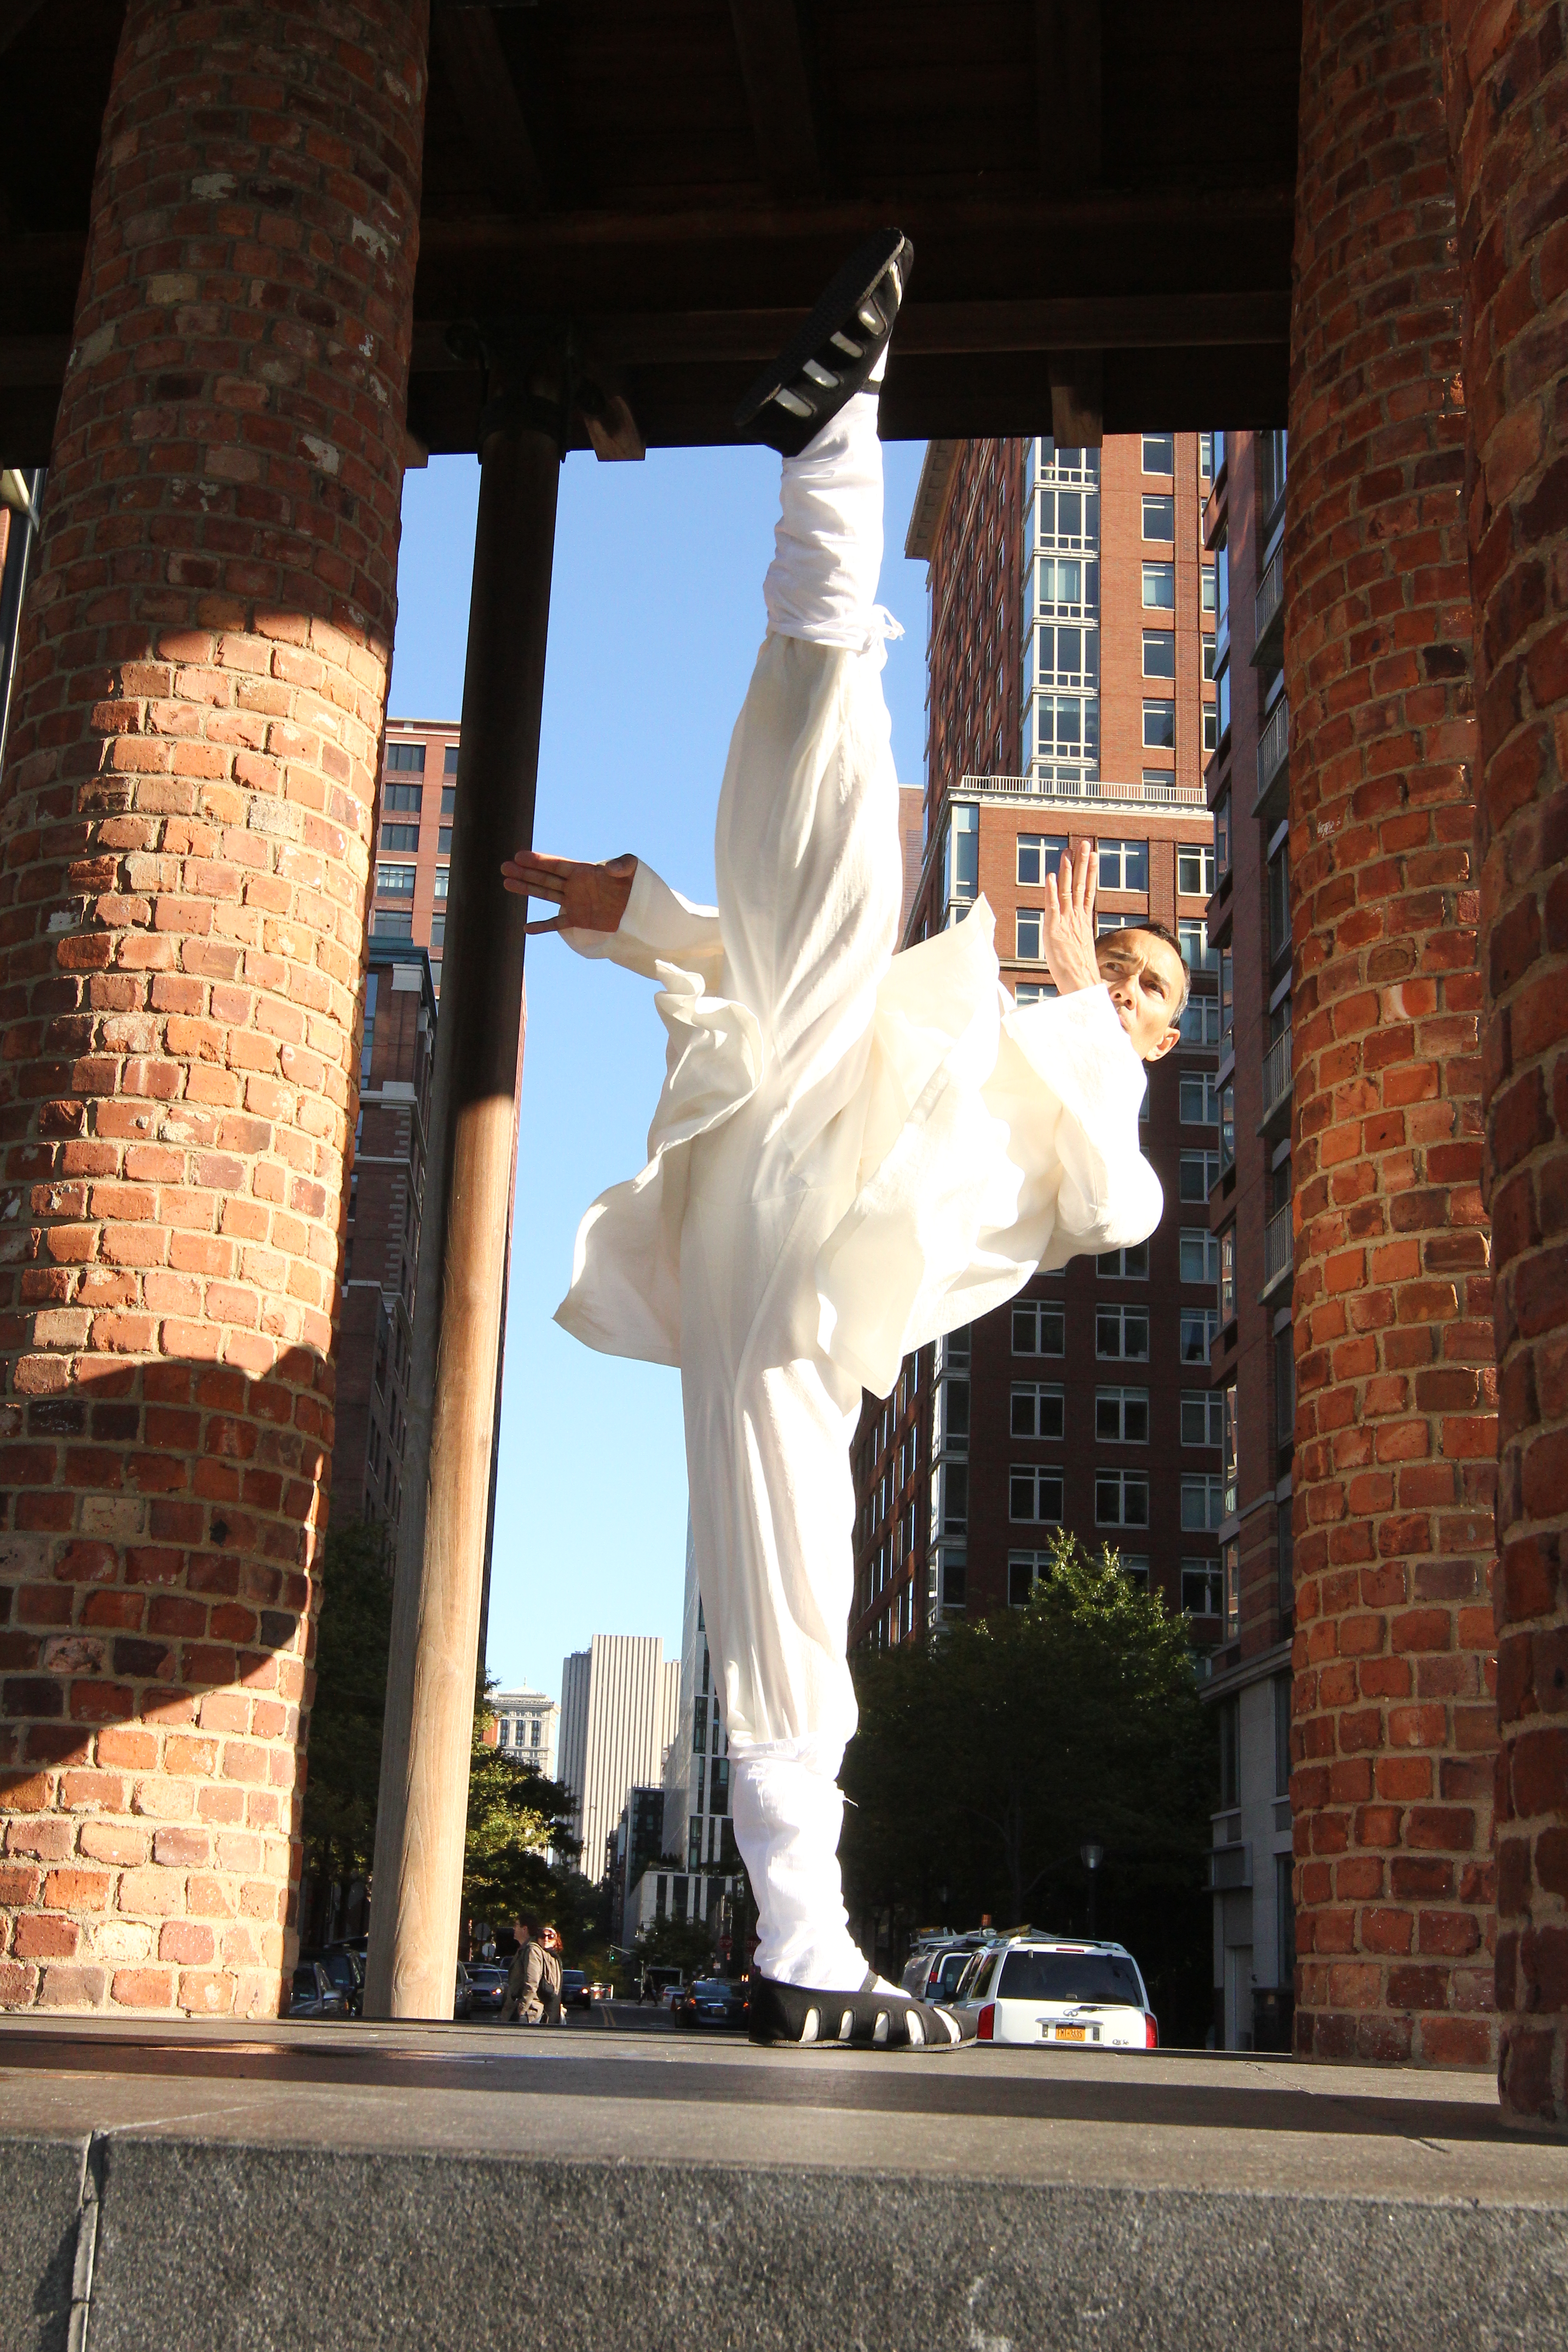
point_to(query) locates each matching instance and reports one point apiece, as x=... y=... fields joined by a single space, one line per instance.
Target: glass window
x=1196 y=953
x=1202 y=1417
x=1039 y=1327
x=1208 y=586
x=1199 y=1325
x=1124 y=866
x=955 y=1413
x=1201 y=1588
x=1096 y=1978
x=441 y=874
x=1278 y=902
x=1201 y=1502
x=1035 y=1494
x=1205 y=456
x=1122 y=1416
x=1036 y=1411
x=1033 y=991
x=1122 y=1333
x=406 y=759
x=1199 y=1099
x=1199 y=1174
x=1159 y=653
x=1231 y=1563
x=1222 y=833
x=400 y=836
x=448 y=799
x=1159 y=726
x=1028 y=935
x=1208 y=661
x=1121 y=1499
x=1025 y=1570
x=1129 y=1265
x=1158 y=517
x=390 y=926
x=1199 y=1254
x=1200 y=1021
x=449 y=760
x=404 y=797
x=444 y=841
x=952 y=1479
x=1211 y=727
x=394 y=881
x=1160 y=588
x=1158 y=453
x=1228 y=1275
x=438 y=940
x=1039 y=854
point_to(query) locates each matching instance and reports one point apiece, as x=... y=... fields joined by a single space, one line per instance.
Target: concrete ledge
x=389 y=2187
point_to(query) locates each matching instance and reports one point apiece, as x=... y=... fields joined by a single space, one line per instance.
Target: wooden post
x=431 y=1684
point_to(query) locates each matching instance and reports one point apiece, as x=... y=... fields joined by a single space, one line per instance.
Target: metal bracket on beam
x=535 y=373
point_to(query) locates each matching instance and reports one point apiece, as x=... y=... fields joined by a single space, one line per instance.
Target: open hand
x=1066 y=921
x=590 y=897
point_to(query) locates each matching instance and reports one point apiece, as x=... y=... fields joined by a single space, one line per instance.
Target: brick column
x=185 y=840
x=1507 y=90
x=1394 y=1726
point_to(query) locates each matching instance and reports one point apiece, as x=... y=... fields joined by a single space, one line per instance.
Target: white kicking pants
x=810 y=880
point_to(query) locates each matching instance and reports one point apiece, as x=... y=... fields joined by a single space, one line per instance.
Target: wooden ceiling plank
x=16 y=15
x=476 y=65
x=785 y=120
x=1067 y=77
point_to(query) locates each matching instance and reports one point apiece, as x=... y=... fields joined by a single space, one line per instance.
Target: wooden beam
x=779 y=98
x=1078 y=400
x=1068 y=78
x=476 y=65
x=16 y=15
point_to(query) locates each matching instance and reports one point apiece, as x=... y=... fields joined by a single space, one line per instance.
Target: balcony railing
x=1279 y=1249
x=1277 y=1074
x=1274 y=748
x=1126 y=795
x=1269 y=600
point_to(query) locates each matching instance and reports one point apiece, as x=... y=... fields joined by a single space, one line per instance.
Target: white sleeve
x=1110 y=1197
x=658 y=927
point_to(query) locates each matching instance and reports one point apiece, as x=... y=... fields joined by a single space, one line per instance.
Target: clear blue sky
x=655 y=620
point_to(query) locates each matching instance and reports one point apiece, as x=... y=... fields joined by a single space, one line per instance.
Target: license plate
x=1069 y=2033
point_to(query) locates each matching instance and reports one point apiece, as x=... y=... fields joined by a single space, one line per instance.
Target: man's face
x=1146 y=980
x=520 y=1929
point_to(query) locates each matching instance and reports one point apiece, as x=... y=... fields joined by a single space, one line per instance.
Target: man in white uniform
x=855 y=1150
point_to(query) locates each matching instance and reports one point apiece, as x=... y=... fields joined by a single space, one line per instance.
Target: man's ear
x=1172 y=1037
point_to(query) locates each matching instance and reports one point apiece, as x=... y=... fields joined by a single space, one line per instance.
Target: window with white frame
x=1033 y=991
x=1197 y=1175
x=1203 y=1416
x=1199 y=1325
x=1037 y=1410
x=1199 y=1096
x=1134 y=1566
x=1129 y=1265
x=1196 y=953
x=1124 y=866
x=442 y=876
x=1025 y=1571
x=1211 y=727
x=1027 y=935
x=1199 y=1254
x=1035 y=1494
x=1201 y=1588
x=1203 y=1504
x=1160 y=587
x=1067 y=655
x=1039 y=1327
x=1158 y=453
x=1159 y=726
x=1070 y=518
x=1194 y=870
x=1121 y=1499
x=1067 y=587
x=1121 y=1334
x=1208 y=587
x=1159 y=516
x=1039 y=854
x=395 y=881
x=1159 y=653
x=1122 y=1416
x=1200 y=1021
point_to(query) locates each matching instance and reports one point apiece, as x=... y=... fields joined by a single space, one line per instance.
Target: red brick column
x=1394 y=1726
x=1508 y=88
x=184 y=839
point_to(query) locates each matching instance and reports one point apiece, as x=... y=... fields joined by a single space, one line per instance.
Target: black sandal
x=866 y=2019
x=829 y=360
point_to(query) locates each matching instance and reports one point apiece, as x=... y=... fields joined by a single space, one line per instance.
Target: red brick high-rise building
x=418 y=794
x=1070 y=629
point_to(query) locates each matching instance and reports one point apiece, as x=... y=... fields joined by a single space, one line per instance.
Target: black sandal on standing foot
x=866 y=2019
x=831 y=358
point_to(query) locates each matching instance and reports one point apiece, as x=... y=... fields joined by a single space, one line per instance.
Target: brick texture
x=1394 y=1726
x=184 y=839
x=1507 y=106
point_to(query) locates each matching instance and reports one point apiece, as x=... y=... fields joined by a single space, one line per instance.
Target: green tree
x=683 y=1943
x=515 y=1817
x=986 y=1759
x=353 y=1638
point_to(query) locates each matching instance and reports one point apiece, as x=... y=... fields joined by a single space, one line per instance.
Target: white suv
x=1041 y=1989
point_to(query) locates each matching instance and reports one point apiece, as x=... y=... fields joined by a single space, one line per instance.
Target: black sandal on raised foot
x=866 y=2019
x=831 y=357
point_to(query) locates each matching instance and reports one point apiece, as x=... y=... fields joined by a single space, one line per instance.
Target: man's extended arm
x=620 y=910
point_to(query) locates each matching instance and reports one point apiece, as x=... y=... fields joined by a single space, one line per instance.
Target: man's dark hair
x=1154 y=929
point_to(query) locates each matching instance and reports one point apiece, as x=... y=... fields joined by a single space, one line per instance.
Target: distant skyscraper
x=618 y=1704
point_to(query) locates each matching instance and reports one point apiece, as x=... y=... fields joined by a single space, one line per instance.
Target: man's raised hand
x=590 y=897
x=1066 y=921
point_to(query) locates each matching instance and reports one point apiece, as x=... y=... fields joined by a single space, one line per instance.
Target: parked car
x=487 y=1989
x=576 y=1992
x=462 y=1994
x=1046 y=1992
x=711 y=2001
x=346 y=1969
x=314 y=1993
x=660 y=1983
x=935 y=1972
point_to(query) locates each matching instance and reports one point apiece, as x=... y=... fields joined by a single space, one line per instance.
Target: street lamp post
x=1091 y=1856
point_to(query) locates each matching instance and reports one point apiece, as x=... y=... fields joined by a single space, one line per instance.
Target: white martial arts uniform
x=855 y=1151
